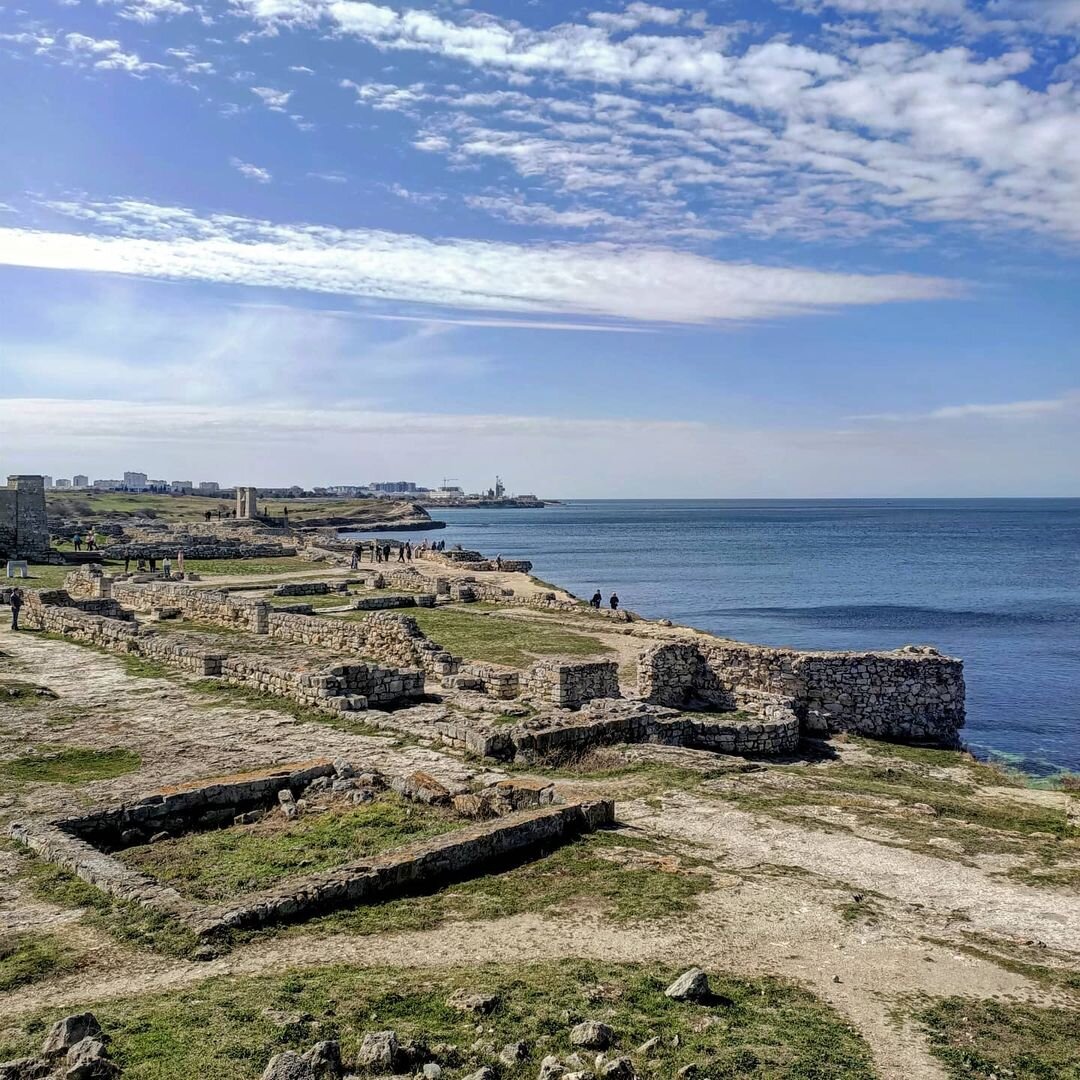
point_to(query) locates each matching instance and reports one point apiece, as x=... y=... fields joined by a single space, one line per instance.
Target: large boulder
x=89 y=1060
x=325 y=1060
x=551 y=1069
x=64 y=1034
x=620 y=1068
x=470 y=1001
x=692 y=985
x=288 y=1066
x=592 y=1035
x=25 y=1069
x=379 y=1051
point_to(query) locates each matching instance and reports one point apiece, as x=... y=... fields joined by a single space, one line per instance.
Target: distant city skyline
x=771 y=248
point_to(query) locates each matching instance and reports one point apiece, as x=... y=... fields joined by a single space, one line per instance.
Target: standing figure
x=166 y=567
x=16 y=602
x=597 y=599
x=77 y=541
x=614 y=601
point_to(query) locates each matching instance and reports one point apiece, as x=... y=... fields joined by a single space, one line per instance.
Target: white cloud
x=271 y=98
x=889 y=133
x=251 y=172
x=1035 y=409
x=639 y=284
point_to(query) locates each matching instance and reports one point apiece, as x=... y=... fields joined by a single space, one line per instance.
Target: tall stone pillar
x=246 y=504
x=24 y=511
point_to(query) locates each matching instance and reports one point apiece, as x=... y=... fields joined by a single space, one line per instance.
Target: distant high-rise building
x=58 y=484
x=80 y=481
x=181 y=487
x=108 y=485
x=392 y=487
x=500 y=489
x=135 y=481
x=209 y=487
x=47 y=481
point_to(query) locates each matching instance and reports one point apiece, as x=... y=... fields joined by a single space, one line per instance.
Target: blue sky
x=791 y=248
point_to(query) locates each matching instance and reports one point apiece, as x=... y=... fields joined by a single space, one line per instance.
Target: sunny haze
x=792 y=248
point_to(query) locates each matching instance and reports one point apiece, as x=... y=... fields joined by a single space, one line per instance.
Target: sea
x=993 y=581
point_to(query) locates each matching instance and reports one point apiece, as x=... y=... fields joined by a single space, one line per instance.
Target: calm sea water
x=996 y=582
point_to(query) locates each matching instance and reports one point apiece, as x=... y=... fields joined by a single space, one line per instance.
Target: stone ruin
x=24 y=523
x=500 y=822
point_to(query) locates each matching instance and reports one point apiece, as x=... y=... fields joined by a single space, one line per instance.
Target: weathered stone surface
x=472 y=1001
x=25 y=1069
x=592 y=1035
x=691 y=985
x=513 y=1053
x=484 y=1073
x=325 y=1060
x=551 y=1069
x=88 y=1060
x=289 y=1066
x=620 y=1068
x=65 y=1033
x=379 y=1050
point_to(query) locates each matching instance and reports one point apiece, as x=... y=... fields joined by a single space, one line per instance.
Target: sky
x=746 y=248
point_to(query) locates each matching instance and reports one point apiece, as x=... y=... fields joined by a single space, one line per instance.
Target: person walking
x=16 y=602
x=597 y=599
x=166 y=567
x=614 y=601
x=355 y=562
x=127 y=563
x=498 y=562
x=401 y=553
x=408 y=550
x=153 y=564
x=77 y=541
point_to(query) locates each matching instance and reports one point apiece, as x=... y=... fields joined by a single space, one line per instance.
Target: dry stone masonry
x=515 y=823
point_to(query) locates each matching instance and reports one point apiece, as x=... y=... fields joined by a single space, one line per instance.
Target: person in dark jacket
x=16 y=602
x=597 y=599
x=614 y=601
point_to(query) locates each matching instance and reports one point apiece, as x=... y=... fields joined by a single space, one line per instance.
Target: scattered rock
x=252 y=817
x=286 y=1019
x=288 y=1066
x=592 y=1035
x=344 y=769
x=620 y=1068
x=692 y=985
x=648 y=1046
x=159 y=836
x=551 y=1069
x=379 y=1050
x=471 y=1001
x=513 y=1053
x=288 y=804
x=687 y=1071
x=89 y=1060
x=485 y=1073
x=431 y=1071
x=421 y=787
x=64 y=1034
x=325 y=1060
x=25 y=1069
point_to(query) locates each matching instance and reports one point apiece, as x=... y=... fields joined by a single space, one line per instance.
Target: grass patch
x=625 y=878
x=215 y=692
x=70 y=765
x=475 y=634
x=17 y=692
x=991 y=1039
x=285 y=565
x=224 y=863
x=44 y=576
x=764 y=1028
x=30 y=957
x=910 y=802
x=138 y=667
x=129 y=923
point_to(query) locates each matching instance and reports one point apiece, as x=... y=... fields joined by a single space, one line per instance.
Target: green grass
x=991 y=1039
x=285 y=565
x=763 y=1028
x=473 y=633
x=17 y=692
x=977 y=823
x=44 y=576
x=70 y=765
x=129 y=923
x=29 y=957
x=626 y=879
x=218 y=865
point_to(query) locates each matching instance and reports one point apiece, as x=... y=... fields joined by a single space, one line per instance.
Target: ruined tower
x=24 y=524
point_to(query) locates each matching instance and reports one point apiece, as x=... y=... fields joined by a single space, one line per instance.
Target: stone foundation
x=522 y=826
x=570 y=685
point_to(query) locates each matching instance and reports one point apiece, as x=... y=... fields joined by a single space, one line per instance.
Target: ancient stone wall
x=200 y=605
x=473 y=560
x=24 y=523
x=909 y=694
x=568 y=685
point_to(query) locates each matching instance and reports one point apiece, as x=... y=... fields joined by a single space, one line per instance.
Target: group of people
x=383 y=552
x=597 y=601
x=90 y=541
